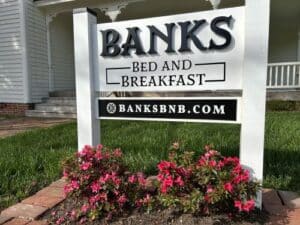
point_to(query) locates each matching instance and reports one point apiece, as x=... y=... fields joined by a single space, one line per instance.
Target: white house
x=37 y=56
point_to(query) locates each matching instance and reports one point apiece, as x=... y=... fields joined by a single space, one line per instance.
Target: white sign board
x=185 y=52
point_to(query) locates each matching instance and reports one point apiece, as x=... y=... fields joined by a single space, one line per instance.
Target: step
x=67 y=93
x=55 y=108
x=46 y=114
x=62 y=100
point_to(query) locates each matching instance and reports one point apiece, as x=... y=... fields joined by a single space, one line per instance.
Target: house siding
x=11 y=67
x=37 y=52
x=62 y=52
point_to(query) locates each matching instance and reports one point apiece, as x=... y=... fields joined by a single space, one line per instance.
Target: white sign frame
x=257 y=14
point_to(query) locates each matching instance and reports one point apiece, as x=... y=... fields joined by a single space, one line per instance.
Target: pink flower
x=246 y=206
x=104 y=178
x=99 y=147
x=65 y=174
x=238 y=204
x=95 y=187
x=86 y=151
x=85 y=208
x=147 y=199
x=220 y=165
x=249 y=205
x=117 y=153
x=122 y=200
x=209 y=189
x=75 y=184
x=131 y=179
x=141 y=179
x=73 y=214
x=85 y=166
x=98 y=155
x=228 y=187
x=165 y=165
x=166 y=184
x=231 y=160
x=212 y=163
x=94 y=199
x=60 y=220
x=202 y=161
x=179 y=181
x=67 y=189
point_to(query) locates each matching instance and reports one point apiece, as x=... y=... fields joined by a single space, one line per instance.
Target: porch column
x=85 y=53
x=298 y=58
x=49 y=19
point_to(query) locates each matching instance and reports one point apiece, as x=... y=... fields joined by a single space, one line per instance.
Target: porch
x=284 y=44
x=282 y=77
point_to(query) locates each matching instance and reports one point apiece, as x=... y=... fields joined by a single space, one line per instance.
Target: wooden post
x=85 y=45
x=254 y=88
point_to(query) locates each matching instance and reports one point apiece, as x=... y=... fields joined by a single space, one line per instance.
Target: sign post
x=88 y=125
x=254 y=88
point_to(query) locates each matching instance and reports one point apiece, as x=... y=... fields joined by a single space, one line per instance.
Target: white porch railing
x=283 y=75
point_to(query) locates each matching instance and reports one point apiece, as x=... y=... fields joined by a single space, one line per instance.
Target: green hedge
x=278 y=105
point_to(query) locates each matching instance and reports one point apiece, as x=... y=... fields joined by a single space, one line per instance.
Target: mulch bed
x=163 y=217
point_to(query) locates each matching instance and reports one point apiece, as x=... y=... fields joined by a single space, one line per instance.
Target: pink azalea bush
x=205 y=184
x=102 y=187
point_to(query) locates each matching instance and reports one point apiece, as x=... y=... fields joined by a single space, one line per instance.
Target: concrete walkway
x=282 y=206
x=12 y=126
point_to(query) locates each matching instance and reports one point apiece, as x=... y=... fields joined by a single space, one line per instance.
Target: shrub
x=279 y=105
x=99 y=182
x=207 y=184
x=100 y=185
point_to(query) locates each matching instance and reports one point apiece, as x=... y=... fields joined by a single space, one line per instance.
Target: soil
x=164 y=217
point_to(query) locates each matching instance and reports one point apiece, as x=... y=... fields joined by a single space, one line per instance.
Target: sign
x=185 y=52
x=214 y=50
x=224 y=110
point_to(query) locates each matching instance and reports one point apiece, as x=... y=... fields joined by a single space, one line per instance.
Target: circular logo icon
x=111 y=108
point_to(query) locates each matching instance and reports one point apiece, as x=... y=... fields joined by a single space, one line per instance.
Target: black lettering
x=221 y=32
x=133 y=42
x=135 y=67
x=134 y=82
x=180 y=81
x=189 y=34
x=110 y=39
x=125 y=82
x=154 y=33
x=190 y=77
x=165 y=66
x=162 y=80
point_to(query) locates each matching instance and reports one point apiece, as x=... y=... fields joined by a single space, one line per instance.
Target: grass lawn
x=31 y=160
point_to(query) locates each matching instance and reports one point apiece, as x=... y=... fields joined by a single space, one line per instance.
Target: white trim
x=51 y=2
x=170 y=120
x=238 y=117
x=25 y=58
x=298 y=58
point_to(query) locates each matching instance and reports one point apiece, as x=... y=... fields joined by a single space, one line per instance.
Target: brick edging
x=30 y=209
